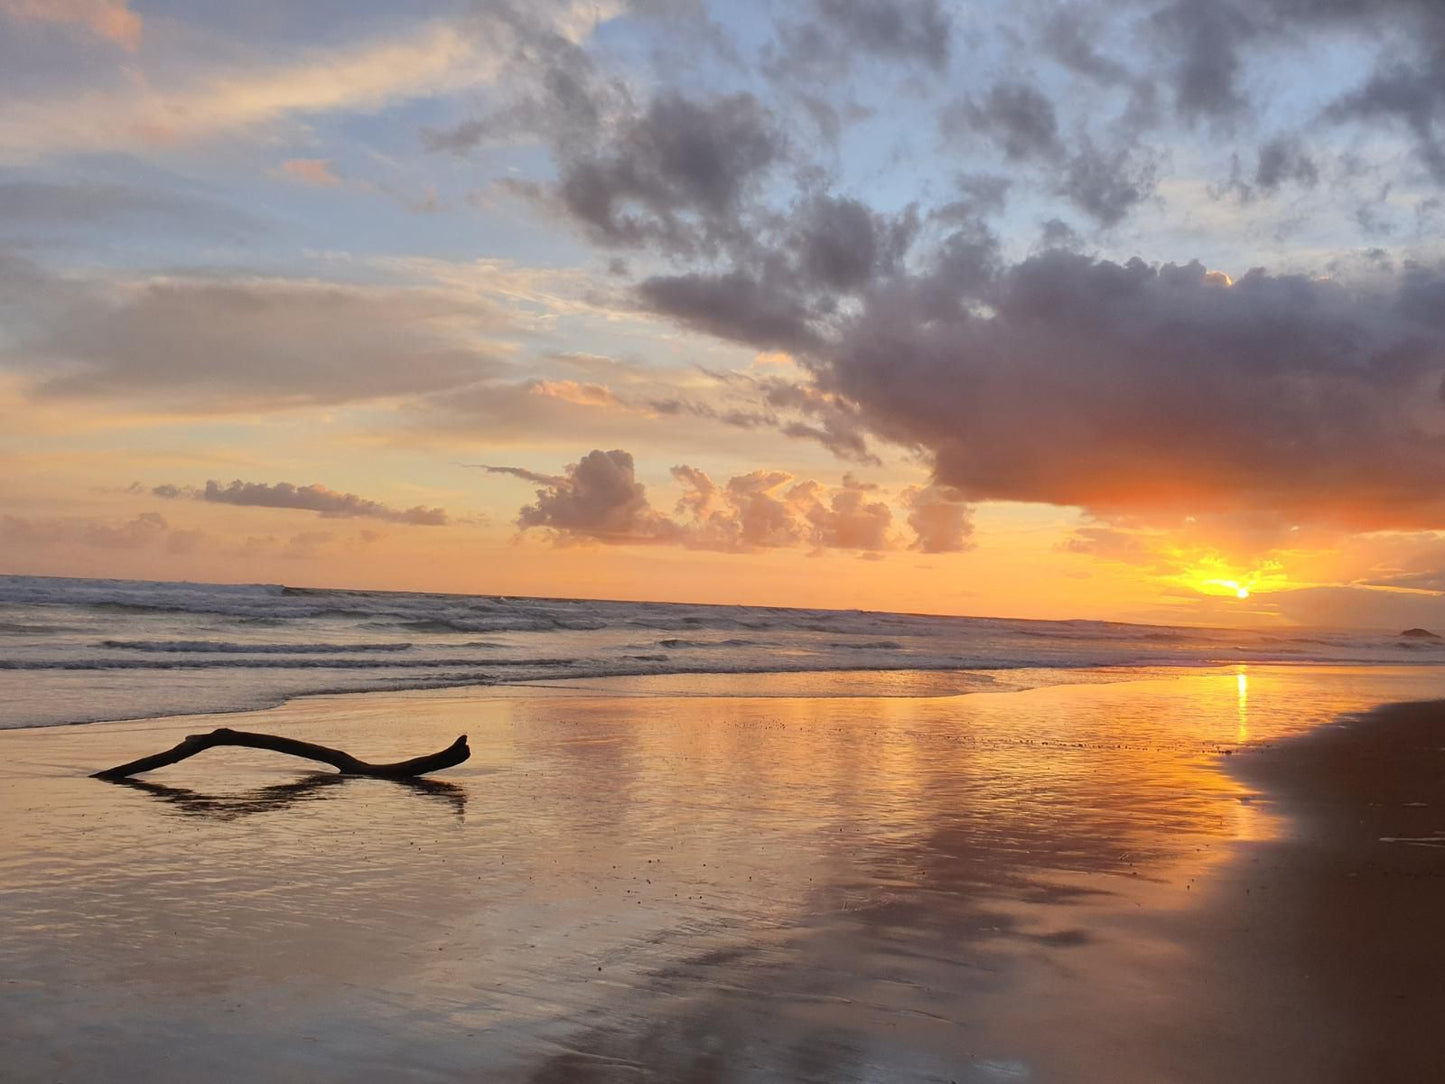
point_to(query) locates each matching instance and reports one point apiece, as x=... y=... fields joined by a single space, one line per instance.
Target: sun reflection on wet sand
x=709 y=887
x=1242 y=683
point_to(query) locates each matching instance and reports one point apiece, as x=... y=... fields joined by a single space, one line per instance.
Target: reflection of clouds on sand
x=971 y=857
x=710 y=888
x=279 y=796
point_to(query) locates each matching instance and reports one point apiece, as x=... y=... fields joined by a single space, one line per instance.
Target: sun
x=1211 y=574
x=1233 y=587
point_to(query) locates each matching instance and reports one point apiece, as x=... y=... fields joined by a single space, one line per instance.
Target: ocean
x=90 y=650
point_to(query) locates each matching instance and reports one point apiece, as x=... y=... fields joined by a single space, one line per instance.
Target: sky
x=1113 y=309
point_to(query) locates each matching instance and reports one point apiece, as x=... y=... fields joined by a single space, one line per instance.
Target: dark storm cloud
x=841 y=244
x=1146 y=387
x=733 y=306
x=310 y=498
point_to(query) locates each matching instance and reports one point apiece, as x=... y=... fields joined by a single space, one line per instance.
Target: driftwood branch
x=345 y=763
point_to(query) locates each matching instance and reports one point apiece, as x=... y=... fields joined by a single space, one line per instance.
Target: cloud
x=213 y=97
x=674 y=175
x=834 y=34
x=851 y=517
x=1106 y=182
x=770 y=509
x=977 y=195
x=1112 y=384
x=148 y=530
x=663 y=407
x=1356 y=607
x=311 y=498
x=315 y=171
x=839 y=427
x=1070 y=36
x=572 y=391
x=551 y=480
x=597 y=498
x=109 y=19
x=735 y=306
x=1413 y=95
x=841 y=244
x=941 y=518
x=1020 y=117
x=1071 y=380
x=1283 y=159
x=1204 y=43
x=750 y=512
x=600 y=499
x=217 y=345
x=1152 y=387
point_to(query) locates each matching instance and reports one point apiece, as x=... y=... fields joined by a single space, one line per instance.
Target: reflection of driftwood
x=278 y=796
x=342 y=762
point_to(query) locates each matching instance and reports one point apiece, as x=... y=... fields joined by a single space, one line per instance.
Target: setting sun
x=1211 y=574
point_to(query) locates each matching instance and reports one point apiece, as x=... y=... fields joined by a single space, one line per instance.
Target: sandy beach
x=1152 y=879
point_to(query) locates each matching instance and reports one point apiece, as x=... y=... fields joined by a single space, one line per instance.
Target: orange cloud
x=570 y=391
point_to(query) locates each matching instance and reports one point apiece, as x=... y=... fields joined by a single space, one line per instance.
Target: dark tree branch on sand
x=345 y=763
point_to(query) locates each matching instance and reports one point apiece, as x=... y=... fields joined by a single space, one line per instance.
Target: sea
x=90 y=650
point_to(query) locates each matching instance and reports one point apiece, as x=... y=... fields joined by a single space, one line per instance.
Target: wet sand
x=625 y=883
x=1349 y=902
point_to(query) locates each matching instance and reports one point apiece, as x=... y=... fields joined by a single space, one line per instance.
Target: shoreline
x=992 y=680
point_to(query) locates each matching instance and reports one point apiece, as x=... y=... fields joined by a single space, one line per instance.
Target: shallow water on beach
x=77 y=650
x=625 y=882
